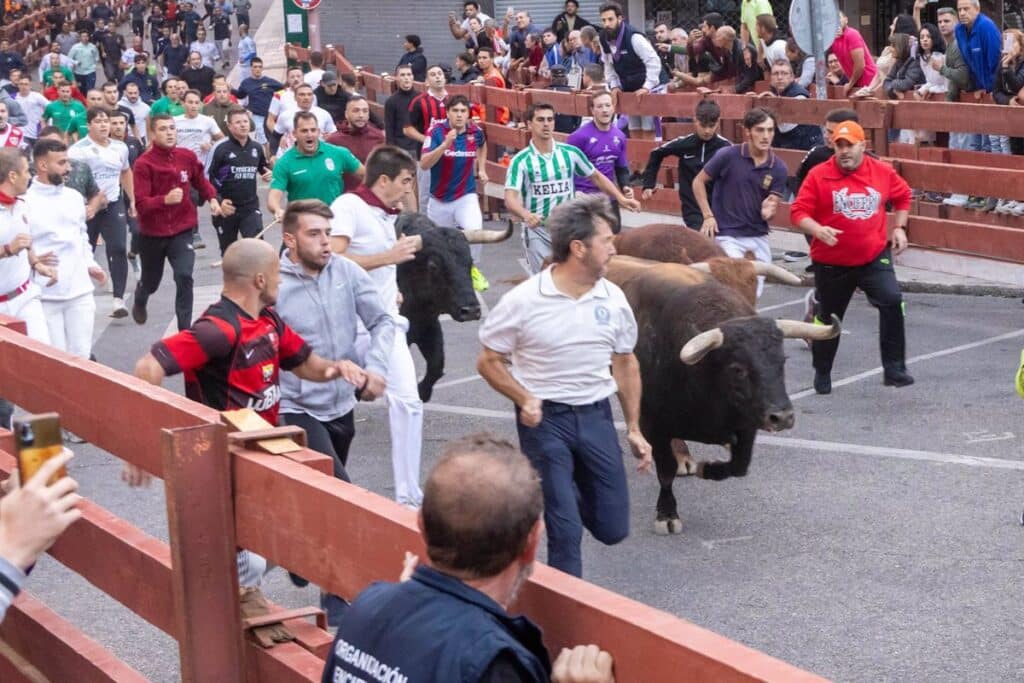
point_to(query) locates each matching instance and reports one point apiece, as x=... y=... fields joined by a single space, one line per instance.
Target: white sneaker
x=955 y=200
x=1018 y=210
x=119 y=310
x=1001 y=207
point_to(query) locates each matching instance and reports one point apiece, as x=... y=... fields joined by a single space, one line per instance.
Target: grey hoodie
x=325 y=311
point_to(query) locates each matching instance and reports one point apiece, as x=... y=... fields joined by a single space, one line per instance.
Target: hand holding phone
x=38 y=439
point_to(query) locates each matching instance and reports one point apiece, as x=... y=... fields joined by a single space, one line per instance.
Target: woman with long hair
x=930 y=45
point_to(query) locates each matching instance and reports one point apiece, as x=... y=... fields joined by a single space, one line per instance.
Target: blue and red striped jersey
x=454 y=176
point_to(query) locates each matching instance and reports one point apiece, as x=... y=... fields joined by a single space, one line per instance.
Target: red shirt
x=854 y=203
x=157 y=171
x=359 y=141
x=76 y=94
x=231 y=360
x=843 y=47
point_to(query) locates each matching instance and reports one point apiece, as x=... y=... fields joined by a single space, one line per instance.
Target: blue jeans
x=86 y=82
x=576 y=451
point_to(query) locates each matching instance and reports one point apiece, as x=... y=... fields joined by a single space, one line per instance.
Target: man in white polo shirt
x=304 y=101
x=363 y=230
x=570 y=335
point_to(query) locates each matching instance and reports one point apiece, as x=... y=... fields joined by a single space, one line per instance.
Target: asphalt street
x=877 y=540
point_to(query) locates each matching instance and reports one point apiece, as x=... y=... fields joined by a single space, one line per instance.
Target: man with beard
x=56 y=221
x=605 y=145
x=561 y=377
x=305 y=103
x=481 y=525
x=631 y=64
x=357 y=135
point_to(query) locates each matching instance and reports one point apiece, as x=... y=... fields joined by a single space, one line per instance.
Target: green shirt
x=70 y=117
x=165 y=106
x=68 y=76
x=316 y=176
x=748 y=15
x=546 y=180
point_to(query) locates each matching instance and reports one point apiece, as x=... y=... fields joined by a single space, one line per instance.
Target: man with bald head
x=481 y=524
x=232 y=355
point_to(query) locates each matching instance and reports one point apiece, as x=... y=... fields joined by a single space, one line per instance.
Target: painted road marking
x=455 y=382
x=927 y=356
x=784 y=304
x=789 y=442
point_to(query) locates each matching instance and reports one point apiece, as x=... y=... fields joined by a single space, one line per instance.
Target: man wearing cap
x=841 y=205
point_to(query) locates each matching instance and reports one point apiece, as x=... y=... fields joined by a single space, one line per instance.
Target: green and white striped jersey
x=546 y=180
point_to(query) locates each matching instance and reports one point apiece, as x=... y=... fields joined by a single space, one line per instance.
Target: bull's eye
x=739 y=371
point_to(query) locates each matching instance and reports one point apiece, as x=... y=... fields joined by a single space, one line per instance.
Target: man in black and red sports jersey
x=232 y=354
x=425 y=111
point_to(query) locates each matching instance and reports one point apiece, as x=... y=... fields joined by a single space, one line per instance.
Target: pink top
x=843 y=48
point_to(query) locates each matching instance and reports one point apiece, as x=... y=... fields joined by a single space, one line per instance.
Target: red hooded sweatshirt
x=159 y=170
x=854 y=203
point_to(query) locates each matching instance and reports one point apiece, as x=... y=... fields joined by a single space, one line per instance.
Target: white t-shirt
x=312 y=79
x=285 y=127
x=33 y=105
x=194 y=133
x=15 y=270
x=57 y=221
x=561 y=347
x=106 y=162
x=141 y=111
x=370 y=231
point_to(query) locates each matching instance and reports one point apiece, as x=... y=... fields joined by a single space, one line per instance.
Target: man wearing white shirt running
x=304 y=101
x=196 y=131
x=33 y=104
x=133 y=100
x=108 y=160
x=363 y=229
x=56 y=220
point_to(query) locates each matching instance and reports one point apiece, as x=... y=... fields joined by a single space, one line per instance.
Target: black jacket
x=905 y=76
x=417 y=61
x=561 y=28
x=693 y=153
x=335 y=105
x=234 y=169
x=396 y=117
x=200 y=79
x=1008 y=83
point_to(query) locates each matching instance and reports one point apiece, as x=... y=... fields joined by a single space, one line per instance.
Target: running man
x=605 y=145
x=541 y=177
x=455 y=153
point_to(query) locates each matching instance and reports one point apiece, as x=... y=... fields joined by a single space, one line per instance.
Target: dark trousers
x=835 y=285
x=576 y=451
x=247 y=223
x=112 y=223
x=176 y=250
x=330 y=438
x=133 y=231
x=86 y=82
x=6 y=412
x=139 y=28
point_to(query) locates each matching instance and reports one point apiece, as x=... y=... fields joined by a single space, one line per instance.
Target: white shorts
x=462 y=213
x=423 y=189
x=737 y=247
x=260 y=134
x=27 y=306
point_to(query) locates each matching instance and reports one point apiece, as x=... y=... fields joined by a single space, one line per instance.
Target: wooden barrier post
x=200 y=520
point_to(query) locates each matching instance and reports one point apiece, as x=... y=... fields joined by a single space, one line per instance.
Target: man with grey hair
x=480 y=523
x=561 y=377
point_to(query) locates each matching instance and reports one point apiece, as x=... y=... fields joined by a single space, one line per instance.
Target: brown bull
x=677 y=244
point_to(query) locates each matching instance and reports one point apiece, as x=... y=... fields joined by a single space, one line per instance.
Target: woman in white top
x=930 y=45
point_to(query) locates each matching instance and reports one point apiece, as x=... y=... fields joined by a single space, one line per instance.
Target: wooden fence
x=932 y=226
x=222 y=492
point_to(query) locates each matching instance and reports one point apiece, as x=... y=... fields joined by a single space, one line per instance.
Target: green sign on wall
x=296 y=23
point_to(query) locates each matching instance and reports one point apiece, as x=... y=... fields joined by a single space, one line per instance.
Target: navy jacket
x=431 y=629
x=417 y=61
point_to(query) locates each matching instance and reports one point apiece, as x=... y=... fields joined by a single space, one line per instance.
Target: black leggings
x=330 y=438
x=247 y=223
x=835 y=286
x=178 y=251
x=112 y=223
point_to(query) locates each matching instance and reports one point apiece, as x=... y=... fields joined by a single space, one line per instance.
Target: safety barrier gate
x=222 y=493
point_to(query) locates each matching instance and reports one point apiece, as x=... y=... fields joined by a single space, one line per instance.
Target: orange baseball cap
x=849 y=131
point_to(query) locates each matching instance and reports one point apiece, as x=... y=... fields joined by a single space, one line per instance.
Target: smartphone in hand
x=38 y=438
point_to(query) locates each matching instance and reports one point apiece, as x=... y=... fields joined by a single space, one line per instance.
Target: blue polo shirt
x=741 y=187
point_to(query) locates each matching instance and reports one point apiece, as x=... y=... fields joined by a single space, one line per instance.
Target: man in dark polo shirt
x=756 y=180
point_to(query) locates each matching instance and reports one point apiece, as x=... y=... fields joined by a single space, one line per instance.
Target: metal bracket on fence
x=285 y=615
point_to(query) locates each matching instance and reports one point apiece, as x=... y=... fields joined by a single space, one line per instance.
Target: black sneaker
x=791 y=256
x=898 y=378
x=335 y=606
x=297 y=580
x=823 y=382
x=138 y=312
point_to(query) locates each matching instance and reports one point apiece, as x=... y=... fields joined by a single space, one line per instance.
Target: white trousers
x=405 y=414
x=462 y=213
x=70 y=324
x=737 y=247
x=27 y=306
x=423 y=188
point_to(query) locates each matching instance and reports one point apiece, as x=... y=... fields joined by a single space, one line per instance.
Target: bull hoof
x=664 y=527
x=687 y=467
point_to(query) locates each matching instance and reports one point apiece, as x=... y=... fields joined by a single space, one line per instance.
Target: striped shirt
x=454 y=175
x=546 y=180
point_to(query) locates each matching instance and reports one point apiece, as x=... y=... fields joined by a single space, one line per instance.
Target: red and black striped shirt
x=426 y=111
x=232 y=360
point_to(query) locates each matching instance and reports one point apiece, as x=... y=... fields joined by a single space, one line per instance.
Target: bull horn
x=795 y=329
x=701 y=345
x=774 y=273
x=488 y=236
x=702 y=266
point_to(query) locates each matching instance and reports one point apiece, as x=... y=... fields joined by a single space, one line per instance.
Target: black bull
x=712 y=369
x=437 y=281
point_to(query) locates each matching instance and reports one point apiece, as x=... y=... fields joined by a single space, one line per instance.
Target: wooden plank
x=950 y=116
x=965 y=157
x=793 y=110
x=972 y=180
x=283 y=663
x=57 y=648
x=500 y=97
x=563 y=102
x=498 y=134
x=200 y=520
x=657 y=105
x=496 y=172
x=370 y=535
x=116 y=557
x=990 y=241
x=112 y=410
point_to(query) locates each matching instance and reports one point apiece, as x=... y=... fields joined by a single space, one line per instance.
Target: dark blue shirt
x=741 y=187
x=432 y=628
x=260 y=92
x=175 y=58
